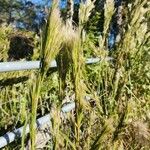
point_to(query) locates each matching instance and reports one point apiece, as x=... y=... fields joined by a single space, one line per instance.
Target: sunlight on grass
x=117 y=112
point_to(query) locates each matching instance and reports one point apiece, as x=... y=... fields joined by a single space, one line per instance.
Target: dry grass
x=117 y=113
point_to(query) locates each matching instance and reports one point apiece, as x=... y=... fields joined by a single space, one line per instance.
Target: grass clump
x=51 y=45
x=116 y=114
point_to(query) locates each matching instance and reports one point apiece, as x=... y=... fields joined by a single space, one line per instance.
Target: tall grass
x=117 y=114
x=51 y=45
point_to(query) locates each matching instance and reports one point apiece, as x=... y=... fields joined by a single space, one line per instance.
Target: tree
x=22 y=14
x=9 y=10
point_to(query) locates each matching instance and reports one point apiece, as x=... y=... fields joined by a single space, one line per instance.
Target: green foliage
x=117 y=114
x=5 y=32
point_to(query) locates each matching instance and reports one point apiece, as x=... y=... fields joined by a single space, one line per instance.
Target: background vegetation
x=117 y=114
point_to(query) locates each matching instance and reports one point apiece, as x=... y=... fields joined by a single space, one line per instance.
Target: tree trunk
x=69 y=13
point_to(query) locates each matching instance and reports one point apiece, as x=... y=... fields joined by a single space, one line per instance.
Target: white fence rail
x=28 y=65
x=9 y=137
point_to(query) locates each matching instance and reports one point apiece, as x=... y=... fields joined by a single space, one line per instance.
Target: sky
x=37 y=1
x=63 y=4
x=41 y=1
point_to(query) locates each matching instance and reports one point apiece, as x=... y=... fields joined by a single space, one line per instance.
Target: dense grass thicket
x=117 y=114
